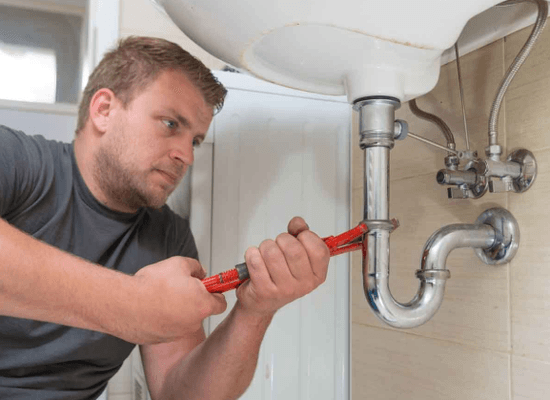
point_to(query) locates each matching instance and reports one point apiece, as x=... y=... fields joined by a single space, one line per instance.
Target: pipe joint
x=376 y=139
x=386 y=225
x=377 y=121
x=433 y=274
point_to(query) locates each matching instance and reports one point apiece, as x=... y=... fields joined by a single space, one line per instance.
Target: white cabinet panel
x=275 y=157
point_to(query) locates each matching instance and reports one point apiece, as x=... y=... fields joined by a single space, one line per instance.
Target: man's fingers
x=296 y=226
x=219 y=303
x=194 y=268
x=257 y=268
x=317 y=251
x=275 y=262
x=295 y=255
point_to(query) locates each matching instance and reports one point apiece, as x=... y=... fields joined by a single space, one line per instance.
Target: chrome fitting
x=450 y=177
x=506 y=241
x=528 y=167
x=502 y=169
x=516 y=174
x=471 y=182
x=493 y=151
x=439 y=274
x=377 y=121
x=387 y=225
x=500 y=185
x=401 y=129
x=460 y=192
x=376 y=140
x=452 y=162
x=467 y=154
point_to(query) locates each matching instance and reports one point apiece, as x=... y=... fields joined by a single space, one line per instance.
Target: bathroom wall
x=491 y=337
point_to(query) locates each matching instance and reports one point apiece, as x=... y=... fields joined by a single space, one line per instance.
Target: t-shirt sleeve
x=23 y=174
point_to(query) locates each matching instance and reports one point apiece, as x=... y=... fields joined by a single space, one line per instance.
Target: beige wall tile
x=530 y=379
x=481 y=74
x=482 y=71
x=356 y=154
x=475 y=310
x=396 y=365
x=357 y=206
x=530 y=270
x=527 y=100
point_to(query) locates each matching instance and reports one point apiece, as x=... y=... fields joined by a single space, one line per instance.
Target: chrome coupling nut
x=452 y=162
x=493 y=150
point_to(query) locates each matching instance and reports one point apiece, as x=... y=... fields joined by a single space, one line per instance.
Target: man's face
x=148 y=145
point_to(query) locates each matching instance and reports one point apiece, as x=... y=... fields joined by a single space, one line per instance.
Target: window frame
x=100 y=29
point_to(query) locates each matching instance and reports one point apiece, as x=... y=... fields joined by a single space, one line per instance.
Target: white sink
x=354 y=47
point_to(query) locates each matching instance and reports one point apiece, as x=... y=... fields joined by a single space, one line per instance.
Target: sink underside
x=358 y=48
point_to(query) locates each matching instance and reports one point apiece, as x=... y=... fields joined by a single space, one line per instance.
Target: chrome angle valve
x=478 y=176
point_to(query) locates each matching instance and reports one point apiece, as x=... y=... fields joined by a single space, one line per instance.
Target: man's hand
x=176 y=298
x=280 y=272
x=283 y=270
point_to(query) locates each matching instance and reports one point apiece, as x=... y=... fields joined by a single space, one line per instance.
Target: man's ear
x=101 y=106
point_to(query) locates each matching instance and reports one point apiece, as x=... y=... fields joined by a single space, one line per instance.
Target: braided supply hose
x=516 y=64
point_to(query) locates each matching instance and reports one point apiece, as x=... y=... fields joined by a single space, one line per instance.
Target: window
x=40 y=54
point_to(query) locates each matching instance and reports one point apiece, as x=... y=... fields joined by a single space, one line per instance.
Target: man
x=93 y=262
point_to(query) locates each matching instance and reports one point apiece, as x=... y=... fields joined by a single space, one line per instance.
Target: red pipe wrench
x=340 y=244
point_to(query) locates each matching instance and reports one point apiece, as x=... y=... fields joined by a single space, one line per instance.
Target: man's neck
x=84 y=151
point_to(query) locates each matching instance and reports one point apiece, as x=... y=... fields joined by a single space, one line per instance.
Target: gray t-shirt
x=43 y=194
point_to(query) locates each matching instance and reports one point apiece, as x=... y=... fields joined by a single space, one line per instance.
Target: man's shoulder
x=13 y=138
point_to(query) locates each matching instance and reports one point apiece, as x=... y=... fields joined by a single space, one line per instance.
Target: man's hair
x=136 y=62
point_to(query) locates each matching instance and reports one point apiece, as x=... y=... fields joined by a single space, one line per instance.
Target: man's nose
x=183 y=153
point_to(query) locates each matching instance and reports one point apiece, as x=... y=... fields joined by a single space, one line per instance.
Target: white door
x=279 y=153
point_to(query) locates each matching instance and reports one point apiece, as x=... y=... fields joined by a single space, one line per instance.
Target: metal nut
x=493 y=149
x=452 y=162
x=401 y=129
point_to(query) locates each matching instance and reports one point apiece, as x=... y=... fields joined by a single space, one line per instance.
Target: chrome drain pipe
x=495 y=235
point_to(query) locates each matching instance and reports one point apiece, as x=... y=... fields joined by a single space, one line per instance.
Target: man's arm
x=41 y=282
x=222 y=366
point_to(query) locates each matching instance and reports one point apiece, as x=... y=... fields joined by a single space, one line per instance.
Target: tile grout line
x=470 y=346
x=507 y=203
x=392 y=180
x=544 y=148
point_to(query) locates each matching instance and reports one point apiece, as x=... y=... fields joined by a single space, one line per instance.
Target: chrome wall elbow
x=432 y=274
x=494 y=236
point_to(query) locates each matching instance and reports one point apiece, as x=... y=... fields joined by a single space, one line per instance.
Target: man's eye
x=196 y=142
x=169 y=123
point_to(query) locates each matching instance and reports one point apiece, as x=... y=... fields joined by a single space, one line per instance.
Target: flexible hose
x=436 y=120
x=516 y=64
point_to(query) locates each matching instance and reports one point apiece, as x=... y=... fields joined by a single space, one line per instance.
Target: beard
x=123 y=186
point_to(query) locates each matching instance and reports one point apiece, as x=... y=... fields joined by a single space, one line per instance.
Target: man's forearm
x=41 y=282
x=222 y=366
